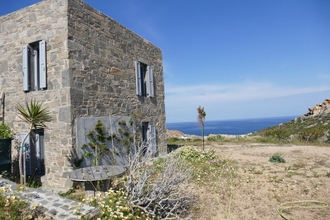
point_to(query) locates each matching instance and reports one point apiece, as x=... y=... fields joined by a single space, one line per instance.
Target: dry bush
x=158 y=186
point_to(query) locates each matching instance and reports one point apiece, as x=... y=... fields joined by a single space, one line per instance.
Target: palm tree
x=35 y=115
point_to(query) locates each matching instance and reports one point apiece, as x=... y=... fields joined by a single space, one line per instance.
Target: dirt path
x=258 y=186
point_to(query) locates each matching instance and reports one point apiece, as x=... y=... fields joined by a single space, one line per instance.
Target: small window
x=144 y=80
x=34 y=66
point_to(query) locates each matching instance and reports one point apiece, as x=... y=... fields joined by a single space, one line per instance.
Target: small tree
x=35 y=115
x=201 y=120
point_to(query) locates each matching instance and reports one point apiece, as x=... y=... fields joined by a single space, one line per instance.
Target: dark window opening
x=145 y=127
x=143 y=70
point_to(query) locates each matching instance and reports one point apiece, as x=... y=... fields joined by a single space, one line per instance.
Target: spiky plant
x=35 y=115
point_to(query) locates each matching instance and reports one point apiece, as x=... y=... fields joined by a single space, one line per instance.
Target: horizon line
x=237 y=119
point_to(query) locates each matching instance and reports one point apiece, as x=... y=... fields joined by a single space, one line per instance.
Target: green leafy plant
x=5 y=131
x=112 y=204
x=216 y=137
x=13 y=207
x=122 y=122
x=99 y=145
x=328 y=174
x=276 y=158
x=193 y=155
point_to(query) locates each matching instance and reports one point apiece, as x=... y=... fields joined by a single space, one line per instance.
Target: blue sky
x=237 y=58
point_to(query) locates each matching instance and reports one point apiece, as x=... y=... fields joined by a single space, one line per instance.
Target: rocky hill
x=174 y=134
x=321 y=109
x=314 y=126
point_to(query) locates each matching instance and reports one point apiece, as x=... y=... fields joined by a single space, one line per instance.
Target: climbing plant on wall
x=102 y=143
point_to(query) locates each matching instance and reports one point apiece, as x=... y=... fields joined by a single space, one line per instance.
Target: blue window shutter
x=153 y=144
x=150 y=82
x=25 y=68
x=138 y=78
x=42 y=65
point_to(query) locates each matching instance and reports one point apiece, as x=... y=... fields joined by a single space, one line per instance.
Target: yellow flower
x=30 y=217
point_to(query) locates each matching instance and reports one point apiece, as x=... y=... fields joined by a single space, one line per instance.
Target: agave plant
x=35 y=115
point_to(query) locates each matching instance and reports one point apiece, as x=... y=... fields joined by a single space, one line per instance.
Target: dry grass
x=245 y=185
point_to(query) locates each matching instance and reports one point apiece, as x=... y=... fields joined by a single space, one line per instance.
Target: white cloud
x=241 y=100
x=235 y=92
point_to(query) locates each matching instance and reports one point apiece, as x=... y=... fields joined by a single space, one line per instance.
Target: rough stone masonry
x=90 y=73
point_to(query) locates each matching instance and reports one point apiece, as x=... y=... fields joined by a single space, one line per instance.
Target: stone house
x=82 y=65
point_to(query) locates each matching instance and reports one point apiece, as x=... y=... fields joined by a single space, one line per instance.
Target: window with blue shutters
x=34 y=66
x=144 y=80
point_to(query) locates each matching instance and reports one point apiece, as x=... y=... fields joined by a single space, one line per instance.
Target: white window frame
x=144 y=80
x=34 y=66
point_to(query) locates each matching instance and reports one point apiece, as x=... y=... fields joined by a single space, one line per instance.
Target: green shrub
x=173 y=140
x=276 y=158
x=216 y=137
x=328 y=174
x=13 y=207
x=278 y=132
x=194 y=155
x=5 y=131
x=311 y=134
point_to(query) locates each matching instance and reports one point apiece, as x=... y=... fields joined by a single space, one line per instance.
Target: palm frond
x=34 y=114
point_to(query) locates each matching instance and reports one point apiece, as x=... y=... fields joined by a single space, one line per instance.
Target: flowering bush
x=154 y=188
x=193 y=155
x=13 y=207
x=112 y=204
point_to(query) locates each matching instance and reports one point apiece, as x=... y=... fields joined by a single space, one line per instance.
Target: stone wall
x=102 y=54
x=47 y=21
x=90 y=72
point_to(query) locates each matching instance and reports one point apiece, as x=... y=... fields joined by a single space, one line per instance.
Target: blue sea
x=233 y=127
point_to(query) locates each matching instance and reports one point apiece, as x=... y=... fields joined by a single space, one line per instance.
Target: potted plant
x=6 y=136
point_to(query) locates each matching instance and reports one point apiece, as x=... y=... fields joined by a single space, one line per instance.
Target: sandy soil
x=258 y=186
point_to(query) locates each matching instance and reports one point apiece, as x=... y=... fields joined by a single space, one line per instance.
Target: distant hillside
x=310 y=127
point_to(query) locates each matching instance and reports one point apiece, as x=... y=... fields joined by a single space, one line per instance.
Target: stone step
x=51 y=204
